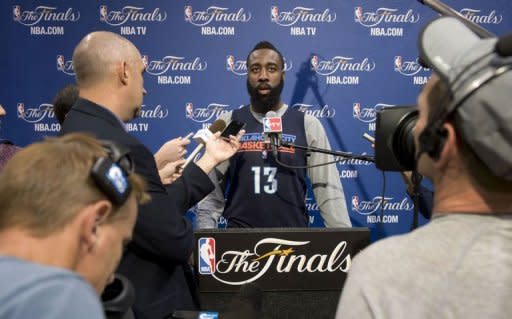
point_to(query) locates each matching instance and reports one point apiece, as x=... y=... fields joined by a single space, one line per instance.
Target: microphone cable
x=349 y=156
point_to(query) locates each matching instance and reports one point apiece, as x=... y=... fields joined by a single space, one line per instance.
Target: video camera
x=394 y=139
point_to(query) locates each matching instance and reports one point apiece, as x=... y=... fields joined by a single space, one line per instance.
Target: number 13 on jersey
x=264 y=178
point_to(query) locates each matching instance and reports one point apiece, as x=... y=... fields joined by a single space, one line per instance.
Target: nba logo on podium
x=206 y=255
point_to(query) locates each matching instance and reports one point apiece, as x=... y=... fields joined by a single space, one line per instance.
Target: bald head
x=98 y=55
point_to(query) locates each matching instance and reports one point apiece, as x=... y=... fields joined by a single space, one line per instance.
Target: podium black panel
x=299 y=271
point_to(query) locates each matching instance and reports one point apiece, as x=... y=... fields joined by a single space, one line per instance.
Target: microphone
x=504 y=45
x=272 y=129
x=202 y=136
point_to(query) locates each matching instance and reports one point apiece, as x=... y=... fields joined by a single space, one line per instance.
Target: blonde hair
x=43 y=187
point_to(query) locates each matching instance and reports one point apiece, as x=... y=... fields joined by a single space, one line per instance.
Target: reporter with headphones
x=67 y=207
x=460 y=264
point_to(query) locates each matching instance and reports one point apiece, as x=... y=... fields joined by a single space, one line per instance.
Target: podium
x=300 y=271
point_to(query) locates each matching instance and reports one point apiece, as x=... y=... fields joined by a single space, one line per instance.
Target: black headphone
x=433 y=137
x=110 y=173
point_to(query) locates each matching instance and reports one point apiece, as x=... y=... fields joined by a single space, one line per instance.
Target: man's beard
x=264 y=103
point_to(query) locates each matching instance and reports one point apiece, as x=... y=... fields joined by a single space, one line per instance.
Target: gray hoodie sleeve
x=325 y=180
x=210 y=208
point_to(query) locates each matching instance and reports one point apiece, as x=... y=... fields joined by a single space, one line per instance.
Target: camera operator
x=460 y=264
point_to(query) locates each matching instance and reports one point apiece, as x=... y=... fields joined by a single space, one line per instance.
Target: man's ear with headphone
x=110 y=173
x=432 y=140
x=433 y=137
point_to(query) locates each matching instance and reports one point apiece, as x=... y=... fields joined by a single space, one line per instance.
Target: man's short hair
x=44 y=186
x=266 y=45
x=64 y=100
x=97 y=55
x=437 y=99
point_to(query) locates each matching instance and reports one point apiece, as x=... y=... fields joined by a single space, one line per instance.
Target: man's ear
x=94 y=216
x=123 y=73
x=449 y=144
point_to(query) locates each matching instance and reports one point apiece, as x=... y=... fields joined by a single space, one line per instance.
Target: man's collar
x=89 y=104
x=280 y=111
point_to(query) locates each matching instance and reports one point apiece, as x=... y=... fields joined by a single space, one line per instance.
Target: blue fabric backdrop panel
x=345 y=60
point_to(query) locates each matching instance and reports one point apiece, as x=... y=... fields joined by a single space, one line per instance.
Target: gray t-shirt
x=29 y=290
x=457 y=266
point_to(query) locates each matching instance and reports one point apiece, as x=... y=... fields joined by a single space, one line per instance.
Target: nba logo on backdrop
x=20 y=107
x=398 y=63
x=314 y=62
x=206 y=251
x=356 y=110
x=355 y=202
x=16 y=13
x=60 y=62
x=189 y=110
x=274 y=13
x=103 y=13
x=145 y=61
x=230 y=63
x=64 y=66
x=358 y=14
x=188 y=13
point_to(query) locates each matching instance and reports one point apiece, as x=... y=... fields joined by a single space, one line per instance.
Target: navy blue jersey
x=261 y=193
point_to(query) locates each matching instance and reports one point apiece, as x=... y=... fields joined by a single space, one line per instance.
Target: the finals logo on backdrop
x=147 y=113
x=372 y=208
x=385 y=22
x=318 y=111
x=45 y=20
x=239 y=66
x=216 y=20
x=367 y=115
x=329 y=68
x=477 y=16
x=42 y=116
x=302 y=21
x=205 y=113
x=132 y=20
x=412 y=69
x=173 y=69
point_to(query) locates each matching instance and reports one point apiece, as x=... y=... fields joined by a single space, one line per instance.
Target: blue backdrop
x=345 y=59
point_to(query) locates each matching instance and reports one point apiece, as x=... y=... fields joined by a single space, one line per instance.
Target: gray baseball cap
x=480 y=81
